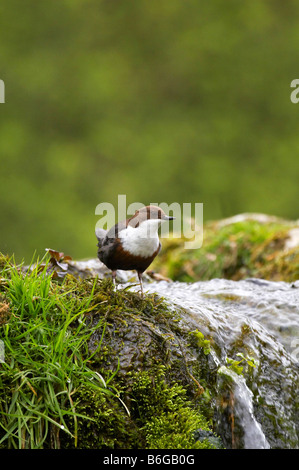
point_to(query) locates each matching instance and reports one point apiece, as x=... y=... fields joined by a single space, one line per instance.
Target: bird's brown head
x=148 y=213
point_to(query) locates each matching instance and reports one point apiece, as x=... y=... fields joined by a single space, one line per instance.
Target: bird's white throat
x=142 y=240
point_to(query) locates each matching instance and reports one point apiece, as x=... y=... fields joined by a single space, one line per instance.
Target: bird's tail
x=100 y=234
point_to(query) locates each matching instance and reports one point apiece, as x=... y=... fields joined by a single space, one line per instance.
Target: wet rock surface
x=259 y=319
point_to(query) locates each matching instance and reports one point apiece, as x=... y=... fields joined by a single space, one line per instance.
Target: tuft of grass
x=46 y=358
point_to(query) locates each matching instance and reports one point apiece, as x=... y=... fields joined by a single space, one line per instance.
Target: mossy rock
x=160 y=370
x=145 y=381
x=161 y=417
x=142 y=333
x=236 y=249
x=105 y=425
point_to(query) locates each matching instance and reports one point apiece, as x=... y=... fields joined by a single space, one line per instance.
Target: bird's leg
x=113 y=278
x=140 y=280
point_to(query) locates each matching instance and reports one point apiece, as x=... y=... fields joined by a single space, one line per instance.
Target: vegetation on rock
x=237 y=250
x=88 y=366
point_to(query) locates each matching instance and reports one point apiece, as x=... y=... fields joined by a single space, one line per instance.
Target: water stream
x=258 y=318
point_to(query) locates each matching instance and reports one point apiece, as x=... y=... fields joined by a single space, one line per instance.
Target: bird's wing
x=114 y=231
x=107 y=237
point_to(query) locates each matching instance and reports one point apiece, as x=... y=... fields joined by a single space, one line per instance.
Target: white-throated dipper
x=132 y=244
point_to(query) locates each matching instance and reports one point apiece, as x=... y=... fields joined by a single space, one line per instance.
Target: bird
x=133 y=243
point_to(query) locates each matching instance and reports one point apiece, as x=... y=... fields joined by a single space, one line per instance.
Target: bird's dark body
x=112 y=254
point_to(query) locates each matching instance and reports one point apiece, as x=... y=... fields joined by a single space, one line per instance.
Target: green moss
x=234 y=251
x=108 y=426
x=161 y=417
x=167 y=417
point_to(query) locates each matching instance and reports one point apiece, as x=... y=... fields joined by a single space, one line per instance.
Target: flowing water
x=259 y=409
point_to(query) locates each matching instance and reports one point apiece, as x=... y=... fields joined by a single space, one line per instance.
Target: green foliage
x=235 y=365
x=46 y=359
x=201 y=341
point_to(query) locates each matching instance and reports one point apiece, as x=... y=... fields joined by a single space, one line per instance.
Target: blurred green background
x=164 y=101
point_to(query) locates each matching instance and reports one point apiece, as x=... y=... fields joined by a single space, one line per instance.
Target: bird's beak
x=168 y=217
